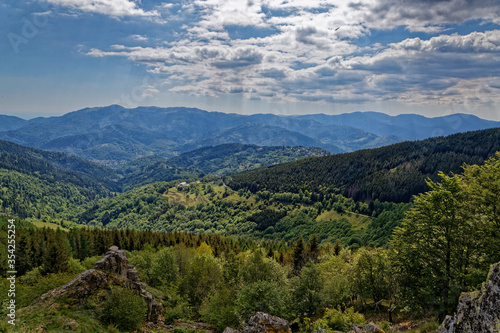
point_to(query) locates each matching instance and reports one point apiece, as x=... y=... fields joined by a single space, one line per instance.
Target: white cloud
x=139 y=38
x=313 y=50
x=115 y=8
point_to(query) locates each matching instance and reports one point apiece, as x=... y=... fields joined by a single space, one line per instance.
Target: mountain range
x=114 y=135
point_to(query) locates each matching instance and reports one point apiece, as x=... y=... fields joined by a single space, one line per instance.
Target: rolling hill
x=8 y=123
x=391 y=173
x=47 y=185
x=235 y=157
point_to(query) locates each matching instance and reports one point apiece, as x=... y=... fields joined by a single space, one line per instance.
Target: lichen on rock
x=477 y=311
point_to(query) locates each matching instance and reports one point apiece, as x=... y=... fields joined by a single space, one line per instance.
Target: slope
x=392 y=173
x=234 y=157
x=263 y=135
x=49 y=186
x=8 y=123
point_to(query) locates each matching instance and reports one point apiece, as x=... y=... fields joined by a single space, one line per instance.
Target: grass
x=190 y=199
x=183 y=197
x=358 y=222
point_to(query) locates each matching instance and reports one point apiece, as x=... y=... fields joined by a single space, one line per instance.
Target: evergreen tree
x=298 y=255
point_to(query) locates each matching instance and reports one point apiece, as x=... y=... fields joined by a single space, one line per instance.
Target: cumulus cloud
x=313 y=50
x=115 y=8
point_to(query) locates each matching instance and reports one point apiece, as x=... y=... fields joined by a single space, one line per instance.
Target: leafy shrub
x=336 y=319
x=124 y=309
x=264 y=296
x=75 y=266
x=219 y=309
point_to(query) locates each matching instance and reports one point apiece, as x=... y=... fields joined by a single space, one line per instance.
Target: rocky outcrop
x=263 y=323
x=114 y=261
x=112 y=270
x=368 y=328
x=477 y=311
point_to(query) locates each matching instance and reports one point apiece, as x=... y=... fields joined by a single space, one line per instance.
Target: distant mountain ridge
x=114 y=135
x=8 y=123
x=407 y=126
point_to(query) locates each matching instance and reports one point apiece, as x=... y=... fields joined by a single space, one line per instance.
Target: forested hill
x=8 y=123
x=392 y=173
x=59 y=166
x=234 y=157
x=45 y=185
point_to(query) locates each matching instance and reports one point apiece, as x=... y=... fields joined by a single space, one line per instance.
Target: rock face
x=265 y=323
x=112 y=270
x=477 y=311
x=114 y=261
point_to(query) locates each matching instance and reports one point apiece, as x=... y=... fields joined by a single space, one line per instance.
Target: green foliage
x=203 y=275
x=124 y=309
x=337 y=276
x=264 y=296
x=219 y=309
x=35 y=285
x=164 y=270
x=374 y=275
x=336 y=319
x=234 y=157
x=44 y=198
x=447 y=240
x=307 y=291
x=74 y=266
x=159 y=171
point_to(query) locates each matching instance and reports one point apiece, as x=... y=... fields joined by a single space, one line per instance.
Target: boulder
x=265 y=323
x=368 y=328
x=230 y=330
x=477 y=311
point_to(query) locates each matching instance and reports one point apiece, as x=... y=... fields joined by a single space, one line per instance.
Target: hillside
x=114 y=135
x=208 y=207
x=46 y=185
x=30 y=160
x=157 y=171
x=8 y=123
x=233 y=157
x=392 y=173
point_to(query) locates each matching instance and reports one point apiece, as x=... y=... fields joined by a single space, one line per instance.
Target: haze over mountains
x=114 y=135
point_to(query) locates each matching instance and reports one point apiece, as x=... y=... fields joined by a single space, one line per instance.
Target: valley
x=319 y=237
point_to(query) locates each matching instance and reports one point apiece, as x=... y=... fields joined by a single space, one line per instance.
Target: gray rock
x=368 y=328
x=355 y=329
x=230 y=330
x=371 y=328
x=265 y=323
x=477 y=311
x=114 y=261
x=124 y=275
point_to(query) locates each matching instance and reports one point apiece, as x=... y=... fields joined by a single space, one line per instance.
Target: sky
x=431 y=57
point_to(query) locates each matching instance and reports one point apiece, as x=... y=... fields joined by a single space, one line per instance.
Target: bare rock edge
x=477 y=311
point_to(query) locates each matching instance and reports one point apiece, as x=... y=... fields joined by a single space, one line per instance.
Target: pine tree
x=298 y=255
